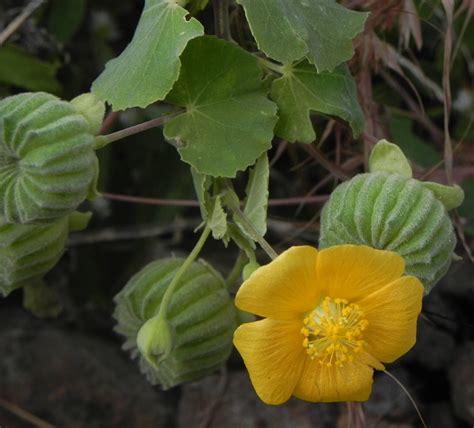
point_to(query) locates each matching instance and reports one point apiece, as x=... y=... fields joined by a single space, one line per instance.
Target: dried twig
x=24 y=415
x=19 y=20
x=448 y=45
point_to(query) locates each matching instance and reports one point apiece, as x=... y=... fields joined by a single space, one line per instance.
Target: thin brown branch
x=24 y=414
x=130 y=233
x=448 y=42
x=326 y=163
x=19 y=20
x=319 y=199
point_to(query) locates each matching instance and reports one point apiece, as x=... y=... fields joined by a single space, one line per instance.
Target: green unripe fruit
x=193 y=338
x=389 y=210
x=47 y=161
x=28 y=252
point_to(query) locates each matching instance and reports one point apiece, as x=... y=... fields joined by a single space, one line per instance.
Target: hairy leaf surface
x=147 y=69
x=288 y=30
x=302 y=90
x=228 y=121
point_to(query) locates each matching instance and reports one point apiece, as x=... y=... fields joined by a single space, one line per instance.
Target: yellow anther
x=332 y=332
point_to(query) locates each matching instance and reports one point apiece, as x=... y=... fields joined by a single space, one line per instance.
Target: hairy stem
x=181 y=271
x=136 y=129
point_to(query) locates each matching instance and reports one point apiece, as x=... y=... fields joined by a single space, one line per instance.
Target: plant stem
x=136 y=129
x=221 y=19
x=182 y=270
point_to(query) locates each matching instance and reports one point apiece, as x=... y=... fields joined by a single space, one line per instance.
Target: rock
x=430 y=340
x=239 y=406
x=458 y=282
x=440 y=415
x=461 y=376
x=73 y=381
x=388 y=400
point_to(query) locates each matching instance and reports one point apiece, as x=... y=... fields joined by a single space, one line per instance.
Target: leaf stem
x=136 y=129
x=181 y=271
x=250 y=229
x=279 y=69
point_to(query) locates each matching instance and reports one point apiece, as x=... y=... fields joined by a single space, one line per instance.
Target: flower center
x=333 y=332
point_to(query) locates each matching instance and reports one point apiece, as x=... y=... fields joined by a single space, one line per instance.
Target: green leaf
x=148 y=67
x=19 y=68
x=288 y=30
x=256 y=202
x=242 y=241
x=202 y=184
x=65 y=18
x=228 y=121
x=388 y=157
x=302 y=90
x=217 y=220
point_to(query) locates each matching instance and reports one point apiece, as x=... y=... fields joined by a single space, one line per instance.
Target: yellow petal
x=392 y=313
x=286 y=288
x=354 y=271
x=274 y=356
x=318 y=383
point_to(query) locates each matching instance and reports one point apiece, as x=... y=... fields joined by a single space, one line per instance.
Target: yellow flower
x=331 y=317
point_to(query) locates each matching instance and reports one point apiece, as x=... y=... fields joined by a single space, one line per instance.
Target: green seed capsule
x=392 y=211
x=47 y=161
x=195 y=336
x=28 y=252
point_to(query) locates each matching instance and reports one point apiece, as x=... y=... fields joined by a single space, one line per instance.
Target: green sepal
x=41 y=300
x=92 y=109
x=450 y=196
x=79 y=221
x=92 y=192
x=155 y=340
x=100 y=142
x=244 y=317
x=388 y=157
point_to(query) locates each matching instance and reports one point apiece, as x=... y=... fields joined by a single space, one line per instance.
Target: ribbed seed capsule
x=47 y=161
x=396 y=213
x=195 y=337
x=28 y=252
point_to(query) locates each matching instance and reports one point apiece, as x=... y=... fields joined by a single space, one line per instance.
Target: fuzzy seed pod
x=28 y=252
x=47 y=161
x=195 y=336
x=389 y=210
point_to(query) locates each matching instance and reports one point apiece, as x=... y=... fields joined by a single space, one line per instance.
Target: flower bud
x=92 y=109
x=47 y=161
x=190 y=338
x=389 y=210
